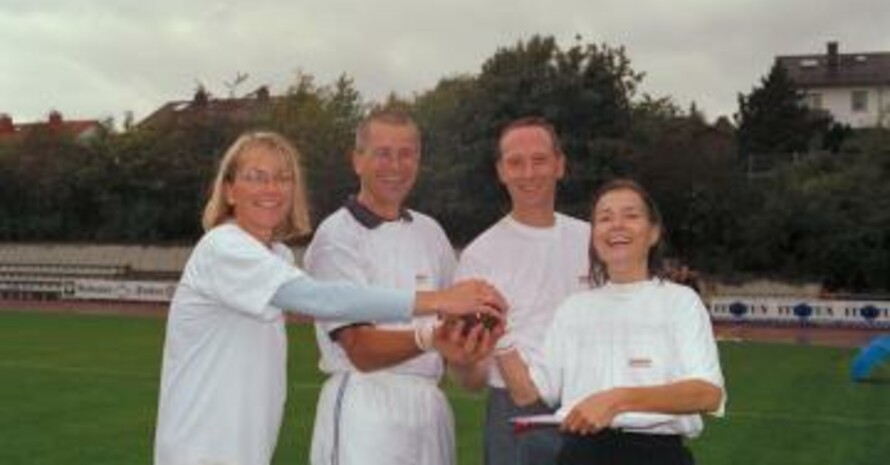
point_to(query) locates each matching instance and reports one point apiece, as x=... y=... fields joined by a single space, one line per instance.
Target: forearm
x=339 y=300
x=519 y=383
x=427 y=302
x=689 y=396
x=370 y=349
x=472 y=376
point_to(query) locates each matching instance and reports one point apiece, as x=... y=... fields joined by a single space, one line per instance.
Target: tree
x=690 y=168
x=825 y=218
x=586 y=91
x=50 y=190
x=321 y=121
x=773 y=118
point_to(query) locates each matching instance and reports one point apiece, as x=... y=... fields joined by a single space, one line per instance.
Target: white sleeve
x=331 y=260
x=340 y=299
x=240 y=272
x=697 y=350
x=469 y=267
x=548 y=375
x=448 y=261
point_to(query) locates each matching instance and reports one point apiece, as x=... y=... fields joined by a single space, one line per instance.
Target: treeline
x=824 y=216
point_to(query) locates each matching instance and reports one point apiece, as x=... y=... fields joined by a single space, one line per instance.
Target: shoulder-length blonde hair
x=217 y=210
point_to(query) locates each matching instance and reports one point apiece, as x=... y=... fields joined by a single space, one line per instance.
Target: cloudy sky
x=101 y=58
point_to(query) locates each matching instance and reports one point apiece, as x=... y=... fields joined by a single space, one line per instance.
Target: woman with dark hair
x=633 y=361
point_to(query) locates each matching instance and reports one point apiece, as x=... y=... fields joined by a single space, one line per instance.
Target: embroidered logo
x=639 y=363
x=422 y=281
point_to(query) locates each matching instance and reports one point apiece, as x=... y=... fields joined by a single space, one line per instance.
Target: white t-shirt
x=408 y=254
x=534 y=269
x=623 y=335
x=223 y=380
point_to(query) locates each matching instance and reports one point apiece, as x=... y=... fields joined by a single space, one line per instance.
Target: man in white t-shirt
x=381 y=403
x=536 y=257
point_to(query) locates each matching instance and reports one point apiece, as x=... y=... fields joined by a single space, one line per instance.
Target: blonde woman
x=223 y=376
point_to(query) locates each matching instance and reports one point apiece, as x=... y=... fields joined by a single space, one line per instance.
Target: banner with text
x=874 y=313
x=138 y=291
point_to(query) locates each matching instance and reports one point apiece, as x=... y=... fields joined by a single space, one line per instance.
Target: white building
x=853 y=87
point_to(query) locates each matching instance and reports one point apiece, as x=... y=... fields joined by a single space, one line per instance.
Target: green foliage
x=817 y=210
x=826 y=218
x=149 y=184
x=690 y=167
x=773 y=118
x=585 y=90
x=321 y=121
x=47 y=188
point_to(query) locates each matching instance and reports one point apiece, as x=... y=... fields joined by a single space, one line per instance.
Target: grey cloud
x=99 y=58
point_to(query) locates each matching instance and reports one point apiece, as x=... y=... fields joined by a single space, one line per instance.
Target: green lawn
x=82 y=389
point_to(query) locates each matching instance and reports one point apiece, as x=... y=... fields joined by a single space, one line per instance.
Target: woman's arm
x=682 y=397
x=333 y=300
x=466 y=297
x=342 y=300
x=516 y=376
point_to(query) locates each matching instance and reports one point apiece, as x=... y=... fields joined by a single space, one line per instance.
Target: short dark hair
x=530 y=122
x=389 y=115
x=656 y=266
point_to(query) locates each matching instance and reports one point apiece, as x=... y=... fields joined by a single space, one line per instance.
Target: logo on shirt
x=423 y=281
x=639 y=362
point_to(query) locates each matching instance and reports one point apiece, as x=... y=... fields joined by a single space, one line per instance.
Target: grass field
x=82 y=389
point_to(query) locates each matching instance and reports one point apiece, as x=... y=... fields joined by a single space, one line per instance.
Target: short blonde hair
x=217 y=210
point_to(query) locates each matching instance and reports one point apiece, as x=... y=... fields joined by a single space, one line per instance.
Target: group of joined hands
x=472 y=326
x=473 y=320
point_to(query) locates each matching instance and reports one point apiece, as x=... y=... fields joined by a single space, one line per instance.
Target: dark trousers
x=504 y=447
x=612 y=447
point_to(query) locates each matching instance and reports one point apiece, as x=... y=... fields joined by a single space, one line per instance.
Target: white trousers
x=382 y=419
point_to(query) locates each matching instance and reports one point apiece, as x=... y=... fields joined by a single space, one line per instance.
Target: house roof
x=203 y=107
x=74 y=128
x=833 y=69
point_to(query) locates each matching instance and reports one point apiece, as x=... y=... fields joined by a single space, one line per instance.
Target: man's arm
x=467 y=351
x=370 y=348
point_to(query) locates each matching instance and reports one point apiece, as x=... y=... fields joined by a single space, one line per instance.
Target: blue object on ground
x=870 y=356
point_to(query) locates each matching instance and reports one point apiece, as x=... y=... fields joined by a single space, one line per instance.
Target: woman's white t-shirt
x=623 y=335
x=223 y=379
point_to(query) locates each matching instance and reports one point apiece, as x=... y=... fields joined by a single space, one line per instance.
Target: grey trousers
x=538 y=446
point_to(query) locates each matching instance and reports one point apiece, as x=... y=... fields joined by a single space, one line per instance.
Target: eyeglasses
x=254 y=176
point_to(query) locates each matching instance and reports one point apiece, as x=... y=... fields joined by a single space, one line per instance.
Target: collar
x=367 y=218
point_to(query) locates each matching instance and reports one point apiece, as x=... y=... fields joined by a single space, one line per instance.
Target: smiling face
x=530 y=167
x=261 y=192
x=623 y=234
x=387 y=166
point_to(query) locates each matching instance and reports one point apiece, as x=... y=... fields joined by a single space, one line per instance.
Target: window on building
x=813 y=101
x=859 y=101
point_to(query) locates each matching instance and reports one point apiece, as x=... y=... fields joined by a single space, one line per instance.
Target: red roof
x=55 y=124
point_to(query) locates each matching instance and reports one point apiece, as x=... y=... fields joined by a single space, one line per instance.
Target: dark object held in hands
x=486 y=320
